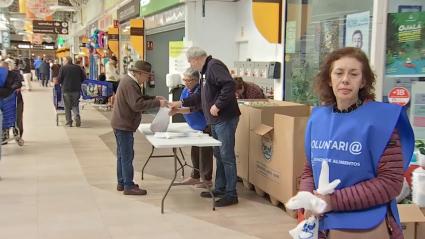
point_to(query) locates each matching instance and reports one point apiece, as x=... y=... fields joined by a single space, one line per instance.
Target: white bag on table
x=161 y=121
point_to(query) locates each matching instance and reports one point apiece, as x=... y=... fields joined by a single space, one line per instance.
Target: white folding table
x=174 y=144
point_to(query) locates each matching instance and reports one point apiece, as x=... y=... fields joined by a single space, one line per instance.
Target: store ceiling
x=15 y=21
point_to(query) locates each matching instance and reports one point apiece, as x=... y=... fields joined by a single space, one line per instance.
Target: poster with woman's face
x=357 y=31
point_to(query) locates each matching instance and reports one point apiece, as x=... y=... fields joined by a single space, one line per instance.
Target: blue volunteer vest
x=3 y=76
x=196 y=120
x=353 y=144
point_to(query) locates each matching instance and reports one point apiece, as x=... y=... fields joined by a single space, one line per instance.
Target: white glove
x=324 y=186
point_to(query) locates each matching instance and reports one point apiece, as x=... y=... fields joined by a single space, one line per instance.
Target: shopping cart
x=94 y=91
x=8 y=106
x=58 y=102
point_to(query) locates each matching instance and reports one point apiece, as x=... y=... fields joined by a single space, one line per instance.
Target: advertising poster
x=177 y=52
x=405 y=53
x=357 y=31
x=332 y=35
x=417 y=112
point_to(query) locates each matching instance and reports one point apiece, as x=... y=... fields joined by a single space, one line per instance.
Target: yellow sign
x=113 y=40
x=137 y=36
x=267 y=16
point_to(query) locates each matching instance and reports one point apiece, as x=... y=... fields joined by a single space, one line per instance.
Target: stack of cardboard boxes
x=270 y=146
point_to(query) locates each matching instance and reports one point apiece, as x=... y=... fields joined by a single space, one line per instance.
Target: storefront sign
x=177 y=52
x=357 y=30
x=50 y=27
x=267 y=15
x=417 y=111
x=405 y=44
x=137 y=36
x=129 y=11
x=149 y=7
x=399 y=96
x=168 y=17
x=113 y=40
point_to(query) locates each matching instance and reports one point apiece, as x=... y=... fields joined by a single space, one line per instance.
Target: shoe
x=77 y=123
x=135 y=190
x=120 y=187
x=207 y=194
x=68 y=124
x=190 y=181
x=226 y=201
x=204 y=184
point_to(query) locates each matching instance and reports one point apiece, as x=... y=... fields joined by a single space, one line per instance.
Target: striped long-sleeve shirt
x=380 y=190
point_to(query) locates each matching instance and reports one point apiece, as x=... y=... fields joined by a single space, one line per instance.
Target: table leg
x=172 y=182
x=147 y=161
x=185 y=163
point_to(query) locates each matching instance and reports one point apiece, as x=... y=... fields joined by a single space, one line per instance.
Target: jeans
x=72 y=101
x=125 y=156
x=226 y=176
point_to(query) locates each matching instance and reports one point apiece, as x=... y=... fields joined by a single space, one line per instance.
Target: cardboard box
x=276 y=156
x=253 y=113
x=242 y=143
x=420 y=228
x=410 y=217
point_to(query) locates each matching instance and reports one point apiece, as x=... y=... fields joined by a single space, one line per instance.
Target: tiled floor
x=61 y=185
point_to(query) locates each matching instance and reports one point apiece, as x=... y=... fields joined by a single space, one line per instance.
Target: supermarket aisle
x=61 y=184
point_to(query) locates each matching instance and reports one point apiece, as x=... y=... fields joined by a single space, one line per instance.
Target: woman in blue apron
x=202 y=157
x=367 y=144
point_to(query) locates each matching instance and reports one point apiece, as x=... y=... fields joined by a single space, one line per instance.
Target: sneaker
x=204 y=184
x=190 y=181
x=207 y=194
x=226 y=201
x=135 y=190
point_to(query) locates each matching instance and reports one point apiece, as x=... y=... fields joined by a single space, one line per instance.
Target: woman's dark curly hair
x=322 y=84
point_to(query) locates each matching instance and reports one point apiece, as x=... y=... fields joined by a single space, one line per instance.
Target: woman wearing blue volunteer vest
x=368 y=146
x=203 y=164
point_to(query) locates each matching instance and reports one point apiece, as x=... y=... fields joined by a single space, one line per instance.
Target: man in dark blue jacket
x=220 y=107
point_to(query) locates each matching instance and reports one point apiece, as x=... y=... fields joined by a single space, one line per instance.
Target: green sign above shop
x=149 y=7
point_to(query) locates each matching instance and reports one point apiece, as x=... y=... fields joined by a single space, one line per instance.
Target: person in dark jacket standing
x=55 y=71
x=220 y=107
x=70 y=78
x=126 y=117
x=26 y=70
x=44 y=73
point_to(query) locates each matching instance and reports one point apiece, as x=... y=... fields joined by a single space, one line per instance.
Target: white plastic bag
x=307 y=229
x=161 y=121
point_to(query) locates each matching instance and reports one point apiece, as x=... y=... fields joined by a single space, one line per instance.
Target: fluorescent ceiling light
x=63 y=8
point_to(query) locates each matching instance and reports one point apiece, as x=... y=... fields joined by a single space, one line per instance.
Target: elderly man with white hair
x=220 y=107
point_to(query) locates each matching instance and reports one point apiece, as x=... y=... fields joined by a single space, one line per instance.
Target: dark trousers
x=125 y=156
x=19 y=116
x=203 y=162
x=72 y=102
x=44 y=79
